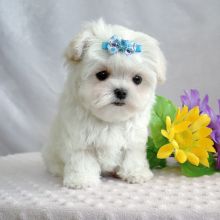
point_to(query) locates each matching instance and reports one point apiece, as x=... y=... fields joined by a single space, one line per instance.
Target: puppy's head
x=113 y=87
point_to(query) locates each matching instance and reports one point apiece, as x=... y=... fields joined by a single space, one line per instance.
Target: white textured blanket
x=27 y=191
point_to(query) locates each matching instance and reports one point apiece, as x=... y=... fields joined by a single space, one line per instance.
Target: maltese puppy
x=105 y=108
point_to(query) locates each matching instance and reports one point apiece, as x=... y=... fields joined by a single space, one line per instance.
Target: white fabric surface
x=27 y=191
x=34 y=33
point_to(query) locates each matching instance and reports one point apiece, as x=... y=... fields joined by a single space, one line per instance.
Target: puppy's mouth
x=118 y=103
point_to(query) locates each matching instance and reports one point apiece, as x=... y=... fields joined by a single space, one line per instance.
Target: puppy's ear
x=161 y=67
x=78 y=45
x=153 y=52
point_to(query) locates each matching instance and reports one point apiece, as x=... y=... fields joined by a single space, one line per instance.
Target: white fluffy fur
x=90 y=136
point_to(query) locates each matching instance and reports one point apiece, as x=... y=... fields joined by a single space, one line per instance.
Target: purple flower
x=191 y=98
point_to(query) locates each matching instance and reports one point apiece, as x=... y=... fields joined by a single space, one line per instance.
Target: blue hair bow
x=115 y=44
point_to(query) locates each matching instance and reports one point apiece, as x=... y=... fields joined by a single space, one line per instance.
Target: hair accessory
x=115 y=44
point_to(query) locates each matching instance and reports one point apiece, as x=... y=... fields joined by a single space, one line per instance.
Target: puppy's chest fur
x=110 y=141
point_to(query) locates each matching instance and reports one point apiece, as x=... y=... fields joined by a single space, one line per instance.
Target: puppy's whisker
x=103 y=100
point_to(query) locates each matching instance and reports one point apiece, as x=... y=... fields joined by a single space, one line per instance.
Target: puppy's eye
x=103 y=75
x=137 y=79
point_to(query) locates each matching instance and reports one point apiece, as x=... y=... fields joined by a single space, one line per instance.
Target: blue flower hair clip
x=115 y=44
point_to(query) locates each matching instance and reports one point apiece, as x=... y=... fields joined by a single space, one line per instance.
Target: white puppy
x=101 y=126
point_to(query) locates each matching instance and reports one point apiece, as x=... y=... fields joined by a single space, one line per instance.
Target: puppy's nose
x=120 y=93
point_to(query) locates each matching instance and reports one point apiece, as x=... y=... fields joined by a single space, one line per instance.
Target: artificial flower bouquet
x=190 y=134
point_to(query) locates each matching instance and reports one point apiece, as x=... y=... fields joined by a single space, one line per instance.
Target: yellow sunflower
x=189 y=137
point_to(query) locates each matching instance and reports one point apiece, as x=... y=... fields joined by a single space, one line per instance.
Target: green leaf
x=154 y=162
x=162 y=108
x=191 y=170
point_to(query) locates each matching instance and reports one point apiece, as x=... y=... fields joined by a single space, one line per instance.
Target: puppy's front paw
x=79 y=182
x=136 y=177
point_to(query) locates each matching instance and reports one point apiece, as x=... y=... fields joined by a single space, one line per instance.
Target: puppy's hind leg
x=53 y=164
